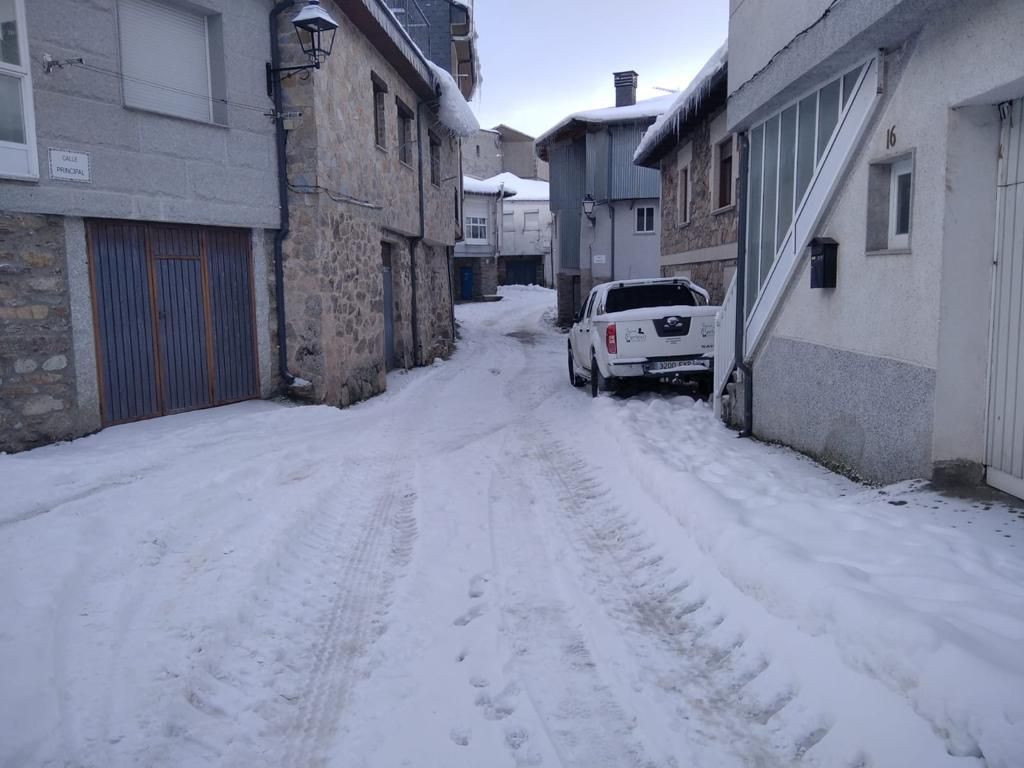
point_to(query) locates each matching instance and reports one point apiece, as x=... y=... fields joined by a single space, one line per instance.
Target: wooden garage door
x=1005 y=449
x=174 y=318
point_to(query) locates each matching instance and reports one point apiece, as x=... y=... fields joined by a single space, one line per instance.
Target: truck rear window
x=656 y=295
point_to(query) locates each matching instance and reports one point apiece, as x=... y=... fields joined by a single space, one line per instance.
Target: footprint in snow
x=473 y=613
x=460 y=736
x=476 y=585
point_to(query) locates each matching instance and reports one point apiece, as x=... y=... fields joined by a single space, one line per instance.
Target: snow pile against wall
x=525 y=189
x=493 y=186
x=452 y=109
x=685 y=103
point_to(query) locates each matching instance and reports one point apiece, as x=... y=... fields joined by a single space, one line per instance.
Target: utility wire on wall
x=786 y=47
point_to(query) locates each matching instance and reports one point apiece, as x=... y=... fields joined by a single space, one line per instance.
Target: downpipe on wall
x=414 y=242
x=281 y=141
x=741 y=290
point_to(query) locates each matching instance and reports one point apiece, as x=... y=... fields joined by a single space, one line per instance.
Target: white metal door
x=1005 y=450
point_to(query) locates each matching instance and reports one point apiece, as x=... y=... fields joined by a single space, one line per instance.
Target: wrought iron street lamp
x=588 y=207
x=316 y=29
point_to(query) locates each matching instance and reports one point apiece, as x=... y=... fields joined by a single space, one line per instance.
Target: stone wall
x=705 y=229
x=349 y=196
x=38 y=396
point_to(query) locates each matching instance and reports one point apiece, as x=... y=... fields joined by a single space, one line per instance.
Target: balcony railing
x=414 y=21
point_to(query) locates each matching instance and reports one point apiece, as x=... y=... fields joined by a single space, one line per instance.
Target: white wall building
x=524 y=249
x=894 y=129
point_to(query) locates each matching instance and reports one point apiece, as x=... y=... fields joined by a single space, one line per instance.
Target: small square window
x=890 y=205
x=531 y=221
x=476 y=229
x=645 y=219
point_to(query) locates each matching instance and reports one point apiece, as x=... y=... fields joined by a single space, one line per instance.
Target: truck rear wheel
x=575 y=380
x=598 y=383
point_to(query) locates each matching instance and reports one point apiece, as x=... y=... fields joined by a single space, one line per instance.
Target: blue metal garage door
x=174 y=318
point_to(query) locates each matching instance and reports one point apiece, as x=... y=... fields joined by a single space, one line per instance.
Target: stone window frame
x=642 y=229
x=380 y=127
x=406 y=132
x=883 y=202
x=21 y=154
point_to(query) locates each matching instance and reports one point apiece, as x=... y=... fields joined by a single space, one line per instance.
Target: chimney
x=625 y=88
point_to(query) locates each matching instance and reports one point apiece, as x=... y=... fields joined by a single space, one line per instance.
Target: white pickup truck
x=660 y=329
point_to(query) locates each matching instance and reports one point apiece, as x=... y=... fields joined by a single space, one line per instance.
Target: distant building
x=696 y=155
x=524 y=243
x=476 y=255
x=591 y=156
x=502 y=150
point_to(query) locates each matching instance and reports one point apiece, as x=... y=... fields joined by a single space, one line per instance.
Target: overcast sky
x=543 y=59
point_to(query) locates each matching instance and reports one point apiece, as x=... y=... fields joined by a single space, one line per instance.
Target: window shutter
x=165 y=59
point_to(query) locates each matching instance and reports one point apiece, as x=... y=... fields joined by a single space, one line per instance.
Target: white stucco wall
x=758 y=28
x=521 y=241
x=930 y=307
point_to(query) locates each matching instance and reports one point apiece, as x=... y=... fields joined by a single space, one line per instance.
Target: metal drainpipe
x=741 y=289
x=417 y=355
x=281 y=139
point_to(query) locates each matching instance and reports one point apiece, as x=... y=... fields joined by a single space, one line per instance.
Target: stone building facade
x=698 y=161
x=367 y=206
x=145 y=167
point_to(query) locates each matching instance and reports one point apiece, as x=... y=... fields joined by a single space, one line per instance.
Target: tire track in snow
x=652 y=604
x=582 y=720
x=354 y=618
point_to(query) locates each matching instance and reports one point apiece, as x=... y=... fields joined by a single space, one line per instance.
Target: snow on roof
x=684 y=103
x=453 y=110
x=493 y=186
x=642 y=109
x=525 y=189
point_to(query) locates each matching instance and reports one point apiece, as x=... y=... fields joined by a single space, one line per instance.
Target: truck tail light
x=611 y=339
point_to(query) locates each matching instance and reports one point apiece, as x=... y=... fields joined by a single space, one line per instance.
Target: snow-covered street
x=485 y=567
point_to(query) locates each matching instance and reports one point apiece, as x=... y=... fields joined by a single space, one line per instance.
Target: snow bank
x=842 y=584
x=525 y=189
x=684 y=103
x=642 y=109
x=453 y=110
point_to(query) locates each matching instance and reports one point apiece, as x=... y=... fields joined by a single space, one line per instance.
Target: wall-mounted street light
x=588 y=207
x=316 y=29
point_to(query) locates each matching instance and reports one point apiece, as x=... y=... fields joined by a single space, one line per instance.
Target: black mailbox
x=824 y=257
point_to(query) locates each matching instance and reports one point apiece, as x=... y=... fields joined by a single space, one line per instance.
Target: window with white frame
x=531 y=221
x=18 y=157
x=172 y=60
x=476 y=229
x=645 y=220
x=683 y=196
x=786 y=152
x=508 y=221
x=890 y=204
